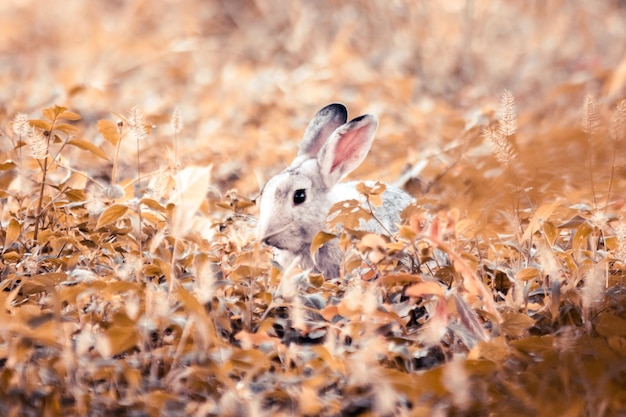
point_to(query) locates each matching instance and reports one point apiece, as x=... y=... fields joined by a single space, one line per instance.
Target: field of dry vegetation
x=135 y=136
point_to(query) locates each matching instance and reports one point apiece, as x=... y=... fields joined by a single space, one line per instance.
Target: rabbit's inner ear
x=347 y=148
x=325 y=122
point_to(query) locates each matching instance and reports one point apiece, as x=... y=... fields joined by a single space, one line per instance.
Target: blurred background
x=247 y=76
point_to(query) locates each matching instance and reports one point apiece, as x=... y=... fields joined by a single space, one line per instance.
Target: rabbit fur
x=294 y=203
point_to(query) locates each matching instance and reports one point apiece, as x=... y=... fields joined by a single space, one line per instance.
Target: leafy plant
x=131 y=282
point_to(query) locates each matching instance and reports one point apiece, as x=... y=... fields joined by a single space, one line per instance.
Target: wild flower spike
x=20 y=125
x=507 y=117
x=618 y=122
x=593 y=288
x=500 y=145
x=137 y=125
x=176 y=121
x=590 y=119
x=37 y=144
x=158 y=184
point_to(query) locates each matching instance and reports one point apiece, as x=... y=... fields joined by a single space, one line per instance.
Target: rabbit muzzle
x=273 y=237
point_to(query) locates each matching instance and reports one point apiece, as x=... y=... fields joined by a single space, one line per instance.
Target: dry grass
x=135 y=135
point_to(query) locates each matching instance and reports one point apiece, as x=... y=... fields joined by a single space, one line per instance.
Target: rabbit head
x=295 y=202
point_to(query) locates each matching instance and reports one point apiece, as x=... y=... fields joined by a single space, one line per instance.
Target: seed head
x=176 y=121
x=137 y=124
x=500 y=145
x=37 y=143
x=20 y=125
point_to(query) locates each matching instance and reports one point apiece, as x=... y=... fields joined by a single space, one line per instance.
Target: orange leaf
x=424 y=288
x=191 y=186
x=12 y=233
x=153 y=204
x=88 y=146
x=319 y=240
x=610 y=325
x=51 y=112
x=109 y=131
x=550 y=231
x=7 y=165
x=117 y=339
x=542 y=214
x=534 y=345
x=41 y=124
x=399 y=279
x=205 y=330
x=494 y=349
x=111 y=214
x=527 y=274
x=580 y=238
x=43 y=282
x=65 y=128
x=515 y=324
x=69 y=115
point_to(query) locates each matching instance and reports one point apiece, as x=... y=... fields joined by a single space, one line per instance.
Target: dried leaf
x=348 y=213
x=42 y=282
x=75 y=195
x=12 y=233
x=191 y=187
x=515 y=324
x=41 y=124
x=109 y=131
x=495 y=349
x=65 y=128
x=117 y=339
x=405 y=232
x=319 y=240
x=527 y=274
x=580 y=238
x=51 y=113
x=111 y=214
x=205 y=331
x=425 y=288
x=88 y=146
x=153 y=204
x=399 y=279
x=550 y=232
x=69 y=115
x=7 y=165
x=610 y=325
x=534 y=345
x=542 y=214
x=618 y=345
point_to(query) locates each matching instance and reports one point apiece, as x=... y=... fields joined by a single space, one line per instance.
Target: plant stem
x=44 y=169
x=138 y=274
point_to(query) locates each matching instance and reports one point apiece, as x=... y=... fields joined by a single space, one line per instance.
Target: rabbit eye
x=299 y=196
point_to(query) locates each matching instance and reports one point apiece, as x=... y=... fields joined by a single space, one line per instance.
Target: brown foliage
x=131 y=282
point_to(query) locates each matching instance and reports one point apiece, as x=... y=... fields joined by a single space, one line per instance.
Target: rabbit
x=294 y=204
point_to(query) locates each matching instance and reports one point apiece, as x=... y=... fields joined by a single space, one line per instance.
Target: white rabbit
x=294 y=204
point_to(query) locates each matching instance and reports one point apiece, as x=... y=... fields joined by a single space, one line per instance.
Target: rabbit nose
x=269 y=241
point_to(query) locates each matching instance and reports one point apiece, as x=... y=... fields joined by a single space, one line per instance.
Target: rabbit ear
x=346 y=148
x=321 y=127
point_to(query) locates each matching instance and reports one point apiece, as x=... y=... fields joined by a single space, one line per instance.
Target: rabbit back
x=394 y=200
